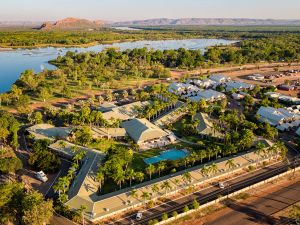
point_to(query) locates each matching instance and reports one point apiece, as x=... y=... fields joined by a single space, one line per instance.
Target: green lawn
x=103 y=144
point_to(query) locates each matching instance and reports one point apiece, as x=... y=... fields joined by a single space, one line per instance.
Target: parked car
x=41 y=176
x=139 y=216
x=221 y=185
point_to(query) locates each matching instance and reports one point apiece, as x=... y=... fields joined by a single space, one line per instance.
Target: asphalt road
x=206 y=195
x=261 y=210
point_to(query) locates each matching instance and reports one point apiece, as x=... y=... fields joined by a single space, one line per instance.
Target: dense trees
x=42 y=158
x=19 y=206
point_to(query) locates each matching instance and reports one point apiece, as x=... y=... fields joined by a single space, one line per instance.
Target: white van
x=41 y=176
x=139 y=216
x=221 y=185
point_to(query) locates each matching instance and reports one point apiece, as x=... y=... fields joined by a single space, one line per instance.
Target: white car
x=139 y=216
x=41 y=176
x=221 y=185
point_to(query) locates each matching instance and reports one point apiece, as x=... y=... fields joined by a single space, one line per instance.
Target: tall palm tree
x=100 y=178
x=140 y=176
x=81 y=210
x=161 y=166
x=202 y=155
x=193 y=158
x=213 y=168
x=155 y=188
x=166 y=186
x=119 y=178
x=134 y=193
x=204 y=170
x=177 y=182
x=145 y=196
x=210 y=153
x=230 y=164
x=130 y=174
x=187 y=177
x=150 y=170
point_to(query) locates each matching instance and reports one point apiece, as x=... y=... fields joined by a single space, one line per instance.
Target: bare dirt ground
x=221 y=212
x=241 y=73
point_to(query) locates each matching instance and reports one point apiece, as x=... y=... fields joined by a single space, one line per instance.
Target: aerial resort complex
x=185 y=121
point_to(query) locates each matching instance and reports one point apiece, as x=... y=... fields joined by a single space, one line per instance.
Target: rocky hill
x=72 y=24
x=210 y=22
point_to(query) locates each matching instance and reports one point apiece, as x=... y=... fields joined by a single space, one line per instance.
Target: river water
x=13 y=63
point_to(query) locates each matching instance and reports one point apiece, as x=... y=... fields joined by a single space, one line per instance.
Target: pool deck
x=109 y=204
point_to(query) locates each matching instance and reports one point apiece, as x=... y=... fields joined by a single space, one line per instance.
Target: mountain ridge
x=210 y=22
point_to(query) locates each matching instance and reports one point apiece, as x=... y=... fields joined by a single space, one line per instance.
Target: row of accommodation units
x=196 y=89
x=284 y=98
x=283 y=119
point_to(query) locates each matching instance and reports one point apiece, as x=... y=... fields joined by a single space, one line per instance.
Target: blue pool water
x=172 y=154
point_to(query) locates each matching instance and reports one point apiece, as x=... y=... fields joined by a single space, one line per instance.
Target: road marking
x=53 y=182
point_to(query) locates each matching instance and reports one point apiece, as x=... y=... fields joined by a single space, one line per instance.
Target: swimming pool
x=172 y=154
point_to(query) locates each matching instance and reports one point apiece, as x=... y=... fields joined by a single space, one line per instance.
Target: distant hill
x=209 y=22
x=72 y=24
x=29 y=24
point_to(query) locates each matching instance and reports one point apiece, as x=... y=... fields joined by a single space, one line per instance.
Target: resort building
x=239 y=86
x=258 y=77
x=219 y=78
x=103 y=132
x=205 y=83
x=125 y=112
x=208 y=95
x=141 y=130
x=284 y=98
x=48 y=131
x=275 y=116
x=206 y=127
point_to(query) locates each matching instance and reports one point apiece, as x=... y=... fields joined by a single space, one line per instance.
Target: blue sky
x=116 y=10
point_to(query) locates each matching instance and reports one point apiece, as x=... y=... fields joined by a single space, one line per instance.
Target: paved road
x=261 y=210
x=206 y=195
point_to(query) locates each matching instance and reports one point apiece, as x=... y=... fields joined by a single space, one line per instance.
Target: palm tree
x=130 y=174
x=150 y=170
x=204 y=170
x=187 y=177
x=193 y=158
x=81 y=210
x=177 y=182
x=139 y=176
x=230 y=164
x=202 y=155
x=161 y=166
x=213 y=168
x=259 y=148
x=210 y=153
x=100 y=178
x=166 y=185
x=134 y=193
x=119 y=178
x=155 y=188
x=145 y=196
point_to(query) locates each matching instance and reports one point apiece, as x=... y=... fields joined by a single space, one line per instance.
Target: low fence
x=228 y=196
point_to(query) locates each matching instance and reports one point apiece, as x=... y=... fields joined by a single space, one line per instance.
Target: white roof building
x=219 y=78
x=238 y=86
x=275 y=116
x=208 y=95
x=205 y=83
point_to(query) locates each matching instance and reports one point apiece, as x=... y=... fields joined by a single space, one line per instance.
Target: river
x=13 y=63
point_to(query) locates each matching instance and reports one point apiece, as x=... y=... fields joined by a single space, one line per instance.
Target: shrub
x=164 y=217
x=195 y=204
x=186 y=208
x=175 y=213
